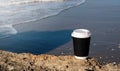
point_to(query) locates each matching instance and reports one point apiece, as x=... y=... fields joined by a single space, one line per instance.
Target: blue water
x=23 y=11
x=35 y=42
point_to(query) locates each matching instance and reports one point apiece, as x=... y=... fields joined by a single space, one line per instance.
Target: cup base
x=82 y=58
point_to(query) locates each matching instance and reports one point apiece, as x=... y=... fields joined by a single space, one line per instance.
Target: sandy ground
x=29 y=62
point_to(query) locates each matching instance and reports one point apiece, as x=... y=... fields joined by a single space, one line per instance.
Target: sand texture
x=28 y=62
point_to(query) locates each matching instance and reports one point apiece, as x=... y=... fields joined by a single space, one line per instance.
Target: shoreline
x=27 y=22
x=96 y=16
x=26 y=61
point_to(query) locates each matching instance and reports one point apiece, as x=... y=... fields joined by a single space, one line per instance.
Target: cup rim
x=81 y=33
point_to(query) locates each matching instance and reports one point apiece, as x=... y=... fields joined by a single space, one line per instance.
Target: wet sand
x=101 y=17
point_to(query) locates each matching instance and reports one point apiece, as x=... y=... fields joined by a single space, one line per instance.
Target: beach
x=14 y=62
x=52 y=35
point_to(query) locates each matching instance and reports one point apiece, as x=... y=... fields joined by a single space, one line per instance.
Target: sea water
x=14 y=12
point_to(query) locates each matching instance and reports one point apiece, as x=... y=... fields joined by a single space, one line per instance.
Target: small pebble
x=119 y=46
x=112 y=49
x=100 y=57
x=114 y=63
x=62 y=53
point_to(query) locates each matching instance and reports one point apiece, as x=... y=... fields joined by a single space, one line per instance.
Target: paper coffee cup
x=81 y=43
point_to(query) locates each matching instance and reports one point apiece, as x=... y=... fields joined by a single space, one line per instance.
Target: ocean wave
x=6 y=30
x=12 y=15
x=15 y=2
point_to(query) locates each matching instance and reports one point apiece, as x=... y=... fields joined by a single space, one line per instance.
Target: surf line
x=7 y=30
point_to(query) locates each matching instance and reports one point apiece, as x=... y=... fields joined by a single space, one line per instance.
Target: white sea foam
x=14 y=2
x=6 y=30
x=22 y=11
